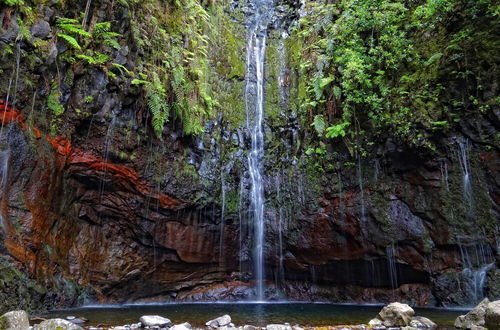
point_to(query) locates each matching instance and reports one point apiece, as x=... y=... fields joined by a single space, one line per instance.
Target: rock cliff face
x=104 y=212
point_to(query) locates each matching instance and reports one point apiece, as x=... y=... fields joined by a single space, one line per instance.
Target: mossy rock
x=15 y=320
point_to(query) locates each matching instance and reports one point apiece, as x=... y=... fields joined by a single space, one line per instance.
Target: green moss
x=53 y=100
x=381 y=207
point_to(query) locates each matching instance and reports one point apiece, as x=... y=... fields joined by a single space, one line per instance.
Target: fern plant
x=102 y=35
x=85 y=43
x=71 y=30
x=96 y=58
x=157 y=105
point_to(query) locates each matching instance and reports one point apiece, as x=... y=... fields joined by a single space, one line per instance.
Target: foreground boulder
x=422 y=322
x=492 y=315
x=15 y=320
x=219 y=322
x=155 y=321
x=58 y=324
x=393 y=315
x=182 y=326
x=474 y=318
x=278 y=327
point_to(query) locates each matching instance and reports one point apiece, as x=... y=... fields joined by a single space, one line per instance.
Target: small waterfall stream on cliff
x=477 y=259
x=392 y=265
x=463 y=158
x=223 y=211
x=108 y=139
x=4 y=172
x=280 y=277
x=4 y=167
x=258 y=21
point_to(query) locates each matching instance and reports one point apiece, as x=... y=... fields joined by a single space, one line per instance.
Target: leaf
x=337 y=92
x=336 y=130
x=435 y=57
x=138 y=82
x=70 y=40
x=120 y=68
x=325 y=81
x=319 y=124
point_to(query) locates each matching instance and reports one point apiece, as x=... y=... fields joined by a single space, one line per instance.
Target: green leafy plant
x=336 y=130
x=319 y=124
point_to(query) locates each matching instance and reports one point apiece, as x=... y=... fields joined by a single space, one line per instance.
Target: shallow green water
x=305 y=314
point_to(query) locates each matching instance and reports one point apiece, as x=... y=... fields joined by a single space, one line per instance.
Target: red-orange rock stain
x=9 y=115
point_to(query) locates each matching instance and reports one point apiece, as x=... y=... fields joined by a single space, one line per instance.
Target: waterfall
x=5 y=156
x=242 y=227
x=4 y=168
x=281 y=269
x=223 y=211
x=477 y=280
x=108 y=140
x=463 y=158
x=258 y=21
x=392 y=266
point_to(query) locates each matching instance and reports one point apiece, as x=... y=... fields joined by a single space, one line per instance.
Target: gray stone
x=249 y=327
x=375 y=323
x=182 y=326
x=474 y=318
x=15 y=320
x=492 y=315
x=297 y=327
x=52 y=54
x=396 y=314
x=41 y=29
x=154 y=321
x=278 y=327
x=58 y=324
x=422 y=322
x=219 y=322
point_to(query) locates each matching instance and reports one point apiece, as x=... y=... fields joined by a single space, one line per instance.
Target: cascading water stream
x=281 y=269
x=463 y=159
x=223 y=211
x=258 y=22
x=108 y=140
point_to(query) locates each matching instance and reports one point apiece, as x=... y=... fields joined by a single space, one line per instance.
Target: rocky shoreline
x=395 y=316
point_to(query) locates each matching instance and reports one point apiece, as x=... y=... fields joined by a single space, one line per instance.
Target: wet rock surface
x=155 y=321
x=57 y=324
x=14 y=320
x=97 y=223
x=484 y=315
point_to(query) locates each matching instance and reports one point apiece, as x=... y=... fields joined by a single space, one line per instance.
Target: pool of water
x=305 y=314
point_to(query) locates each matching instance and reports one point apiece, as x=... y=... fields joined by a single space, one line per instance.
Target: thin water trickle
x=281 y=268
x=254 y=100
x=391 y=265
x=6 y=106
x=223 y=211
x=444 y=174
x=242 y=225
x=108 y=140
x=463 y=159
x=4 y=168
x=361 y=194
x=4 y=178
x=283 y=77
